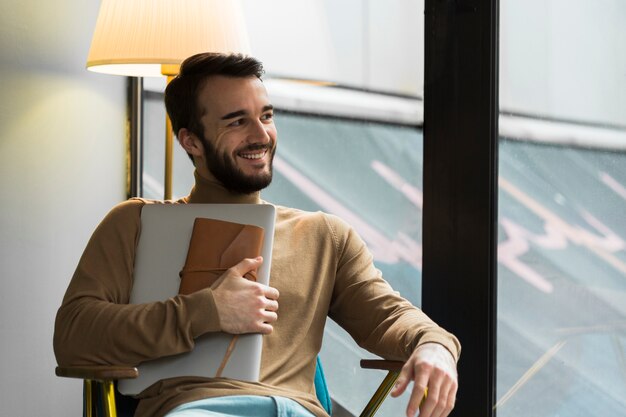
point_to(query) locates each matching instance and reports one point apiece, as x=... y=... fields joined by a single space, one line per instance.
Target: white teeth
x=253 y=156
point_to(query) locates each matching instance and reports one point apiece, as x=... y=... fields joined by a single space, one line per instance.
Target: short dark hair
x=181 y=94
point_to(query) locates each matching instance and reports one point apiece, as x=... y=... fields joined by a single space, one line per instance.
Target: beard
x=223 y=168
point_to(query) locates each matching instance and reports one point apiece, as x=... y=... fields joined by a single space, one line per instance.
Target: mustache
x=257 y=147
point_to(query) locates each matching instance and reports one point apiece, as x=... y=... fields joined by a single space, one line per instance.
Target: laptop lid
x=161 y=253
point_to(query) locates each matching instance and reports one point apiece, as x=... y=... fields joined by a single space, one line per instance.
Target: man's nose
x=259 y=132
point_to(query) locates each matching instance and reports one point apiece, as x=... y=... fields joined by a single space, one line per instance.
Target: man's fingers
x=265 y=328
x=252 y=264
x=442 y=408
x=271 y=293
x=406 y=375
x=272 y=305
x=447 y=398
x=270 y=317
x=428 y=407
x=452 y=397
x=441 y=395
x=422 y=401
x=433 y=366
x=245 y=306
x=247 y=265
x=399 y=388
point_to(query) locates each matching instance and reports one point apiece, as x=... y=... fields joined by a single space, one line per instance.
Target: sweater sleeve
x=366 y=306
x=96 y=325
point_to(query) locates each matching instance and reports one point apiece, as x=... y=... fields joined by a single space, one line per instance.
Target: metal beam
x=460 y=188
x=135 y=134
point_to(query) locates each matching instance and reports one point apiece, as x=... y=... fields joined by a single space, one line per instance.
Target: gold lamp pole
x=144 y=38
x=169 y=140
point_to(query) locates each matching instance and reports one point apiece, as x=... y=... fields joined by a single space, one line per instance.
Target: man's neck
x=208 y=190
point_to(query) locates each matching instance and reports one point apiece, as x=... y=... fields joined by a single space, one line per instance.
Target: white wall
x=361 y=43
x=62 y=134
x=560 y=59
x=564 y=59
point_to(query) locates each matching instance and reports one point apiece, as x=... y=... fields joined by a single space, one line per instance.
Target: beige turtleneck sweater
x=319 y=265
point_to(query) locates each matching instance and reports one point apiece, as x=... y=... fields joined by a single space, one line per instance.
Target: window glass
x=562 y=286
x=154 y=153
x=370 y=175
x=561 y=345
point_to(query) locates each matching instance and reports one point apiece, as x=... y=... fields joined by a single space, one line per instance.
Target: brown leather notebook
x=215 y=246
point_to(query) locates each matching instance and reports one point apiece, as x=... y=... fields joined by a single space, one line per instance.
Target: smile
x=256 y=155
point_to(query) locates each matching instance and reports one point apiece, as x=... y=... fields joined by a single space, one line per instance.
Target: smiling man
x=242 y=142
x=223 y=118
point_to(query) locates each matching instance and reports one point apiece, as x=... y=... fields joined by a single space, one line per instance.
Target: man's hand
x=430 y=366
x=245 y=306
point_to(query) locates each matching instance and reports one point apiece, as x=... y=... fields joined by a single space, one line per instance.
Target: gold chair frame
x=103 y=377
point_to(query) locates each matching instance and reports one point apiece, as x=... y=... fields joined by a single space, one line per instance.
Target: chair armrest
x=393 y=372
x=97 y=373
x=382 y=364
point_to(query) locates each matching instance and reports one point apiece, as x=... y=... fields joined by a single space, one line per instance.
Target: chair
x=101 y=400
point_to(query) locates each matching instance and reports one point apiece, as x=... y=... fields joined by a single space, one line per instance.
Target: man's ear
x=190 y=142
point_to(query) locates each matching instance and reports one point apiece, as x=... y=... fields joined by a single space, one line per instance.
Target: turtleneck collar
x=209 y=190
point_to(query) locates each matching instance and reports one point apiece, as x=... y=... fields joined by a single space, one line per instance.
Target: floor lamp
x=146 y=38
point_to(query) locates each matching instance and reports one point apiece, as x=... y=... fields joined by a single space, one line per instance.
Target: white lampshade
x=152 y=37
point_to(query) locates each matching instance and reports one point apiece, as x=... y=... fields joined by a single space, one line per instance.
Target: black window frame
x=459 y=284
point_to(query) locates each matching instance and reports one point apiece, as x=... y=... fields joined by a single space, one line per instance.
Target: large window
x=562 y=231
x=562 y=286
x=370 y=175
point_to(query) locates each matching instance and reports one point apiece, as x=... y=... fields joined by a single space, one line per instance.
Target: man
x=223 y=118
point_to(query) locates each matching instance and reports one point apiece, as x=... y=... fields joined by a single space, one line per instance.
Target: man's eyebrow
x=234 y=114
x=239 y=113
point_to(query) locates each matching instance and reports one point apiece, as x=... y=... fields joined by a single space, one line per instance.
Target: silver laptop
x=161 y=253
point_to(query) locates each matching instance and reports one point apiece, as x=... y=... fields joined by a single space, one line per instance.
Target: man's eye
x=237 y=122
x=267 y=116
